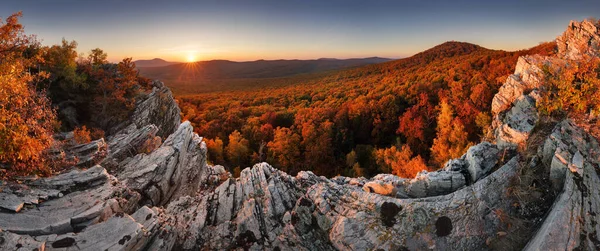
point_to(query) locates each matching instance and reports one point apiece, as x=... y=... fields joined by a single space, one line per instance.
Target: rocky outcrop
x=574 y=170
x=579 y=40
x=154 y=191
x=173 y=170
x=155 y=115
x=157 y=108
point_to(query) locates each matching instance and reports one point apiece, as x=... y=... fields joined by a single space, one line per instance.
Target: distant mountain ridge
x=225 y=69
x=156 y=62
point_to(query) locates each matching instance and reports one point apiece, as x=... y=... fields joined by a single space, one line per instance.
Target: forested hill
x=363 y=121
x=224 y=75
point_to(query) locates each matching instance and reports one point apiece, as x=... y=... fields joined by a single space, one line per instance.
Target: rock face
x=581 y=39
x=172 y=170
x=574 y=165
x=158 y=108
x=152 y=189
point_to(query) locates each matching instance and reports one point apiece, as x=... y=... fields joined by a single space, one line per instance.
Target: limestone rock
x=128 y=143
x=574 y=213
x=435 y=183
x=481 y=159
x=157 y=108
x=171 y=171
x=579 y=40
x=518 y=122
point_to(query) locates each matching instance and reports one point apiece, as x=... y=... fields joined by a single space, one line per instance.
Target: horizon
x=267 y=30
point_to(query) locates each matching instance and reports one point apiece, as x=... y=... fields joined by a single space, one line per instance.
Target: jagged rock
x=579 y=40
x=171 y=171
x=157 y=108
x=518 y=122
x=459 y=207
x=62 y=215
x=83 y=155
x=128 y=143
x=572 y=222
x=75 y=178
x=527 y=76
x=255 y=204
x=117 y=233
x=481 y=158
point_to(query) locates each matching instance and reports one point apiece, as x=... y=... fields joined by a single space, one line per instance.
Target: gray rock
x=518 y=122
x=458 y=207
x=11 y=202
x=11 y=241
x=117 y=233
x=171 y=171
x=74 y=179
x=435 y=183
x=572 y=222
x=157 y=108
x=481 y=158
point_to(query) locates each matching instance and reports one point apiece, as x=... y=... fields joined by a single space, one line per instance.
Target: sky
x=247 y=30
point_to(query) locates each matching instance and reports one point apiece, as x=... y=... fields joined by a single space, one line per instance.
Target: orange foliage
x=26 y=118
x=375 y=106
x=82 y=135
x=400 y=161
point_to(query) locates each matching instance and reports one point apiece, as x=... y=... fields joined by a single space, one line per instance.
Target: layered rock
x=163 y=196
x=157 y=108
x=574 y=170
x=173 y=170
x=581 y=39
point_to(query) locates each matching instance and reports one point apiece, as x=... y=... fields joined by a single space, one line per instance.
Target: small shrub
x=96 y=133
x=82 y=135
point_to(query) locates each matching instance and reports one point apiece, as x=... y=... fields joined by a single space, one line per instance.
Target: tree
x=237 y=150
x=114 y=96
x=97 y=57
x=26 y=119
x=284 y=150
x=61 y=62
x=215 y=150
x=399 y=161
x=451 y=140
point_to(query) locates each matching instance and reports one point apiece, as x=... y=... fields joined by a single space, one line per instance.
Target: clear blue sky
x=250 y=30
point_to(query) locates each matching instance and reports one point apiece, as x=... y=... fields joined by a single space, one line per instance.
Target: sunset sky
x=302 y=29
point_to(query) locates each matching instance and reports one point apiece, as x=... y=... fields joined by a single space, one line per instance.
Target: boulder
x=518 y=122
x=481 y=158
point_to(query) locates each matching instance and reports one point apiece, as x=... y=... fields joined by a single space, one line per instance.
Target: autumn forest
x=398 y=117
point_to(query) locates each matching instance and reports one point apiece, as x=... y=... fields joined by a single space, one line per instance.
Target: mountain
x=205 y=76
x=532 y=184
x=157 y=62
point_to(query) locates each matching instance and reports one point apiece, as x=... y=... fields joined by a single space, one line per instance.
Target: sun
x=191 y=57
